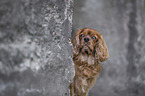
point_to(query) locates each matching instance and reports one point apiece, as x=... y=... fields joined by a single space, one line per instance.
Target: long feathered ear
x=76 y=42
x=101 y=53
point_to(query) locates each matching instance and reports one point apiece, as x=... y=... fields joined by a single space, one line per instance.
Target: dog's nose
x=86 y=39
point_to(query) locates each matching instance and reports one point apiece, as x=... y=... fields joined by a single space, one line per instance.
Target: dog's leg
x=71 y=87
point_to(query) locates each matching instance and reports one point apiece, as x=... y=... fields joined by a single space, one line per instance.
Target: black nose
x=86 y=39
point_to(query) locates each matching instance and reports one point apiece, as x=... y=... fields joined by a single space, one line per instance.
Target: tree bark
x=35 y=54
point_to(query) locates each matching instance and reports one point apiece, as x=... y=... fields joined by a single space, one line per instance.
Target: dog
x=89 y=49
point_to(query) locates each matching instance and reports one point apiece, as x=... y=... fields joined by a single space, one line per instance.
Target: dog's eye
x=82 y=35
x=93 y=37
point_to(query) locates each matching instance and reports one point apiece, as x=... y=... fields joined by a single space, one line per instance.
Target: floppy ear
x=101 y=49
x=76 y=42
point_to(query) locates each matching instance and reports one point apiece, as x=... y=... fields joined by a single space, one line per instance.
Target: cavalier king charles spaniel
x=89 y=49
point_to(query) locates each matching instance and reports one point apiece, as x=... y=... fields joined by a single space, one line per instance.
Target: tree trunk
x=35 y=54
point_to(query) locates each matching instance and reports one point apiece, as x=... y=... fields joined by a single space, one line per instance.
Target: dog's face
x=89 y=41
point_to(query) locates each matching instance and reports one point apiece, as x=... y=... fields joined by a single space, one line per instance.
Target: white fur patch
x=90 y=60
x=83 y=89
x=84 y=82
x=84 y=58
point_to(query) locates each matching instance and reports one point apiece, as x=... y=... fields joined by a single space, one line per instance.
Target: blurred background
x=122 y=23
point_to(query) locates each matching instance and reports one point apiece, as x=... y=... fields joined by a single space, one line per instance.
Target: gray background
x=122 y=23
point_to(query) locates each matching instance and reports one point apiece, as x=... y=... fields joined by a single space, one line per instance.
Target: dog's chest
x=87 y=59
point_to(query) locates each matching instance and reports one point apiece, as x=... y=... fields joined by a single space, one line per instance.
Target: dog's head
x=89 y=41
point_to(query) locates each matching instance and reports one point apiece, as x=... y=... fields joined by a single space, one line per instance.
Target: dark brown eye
x=93 y=37
x=82 y=35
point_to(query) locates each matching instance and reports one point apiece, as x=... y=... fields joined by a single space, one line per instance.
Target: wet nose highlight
x=86 y=39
